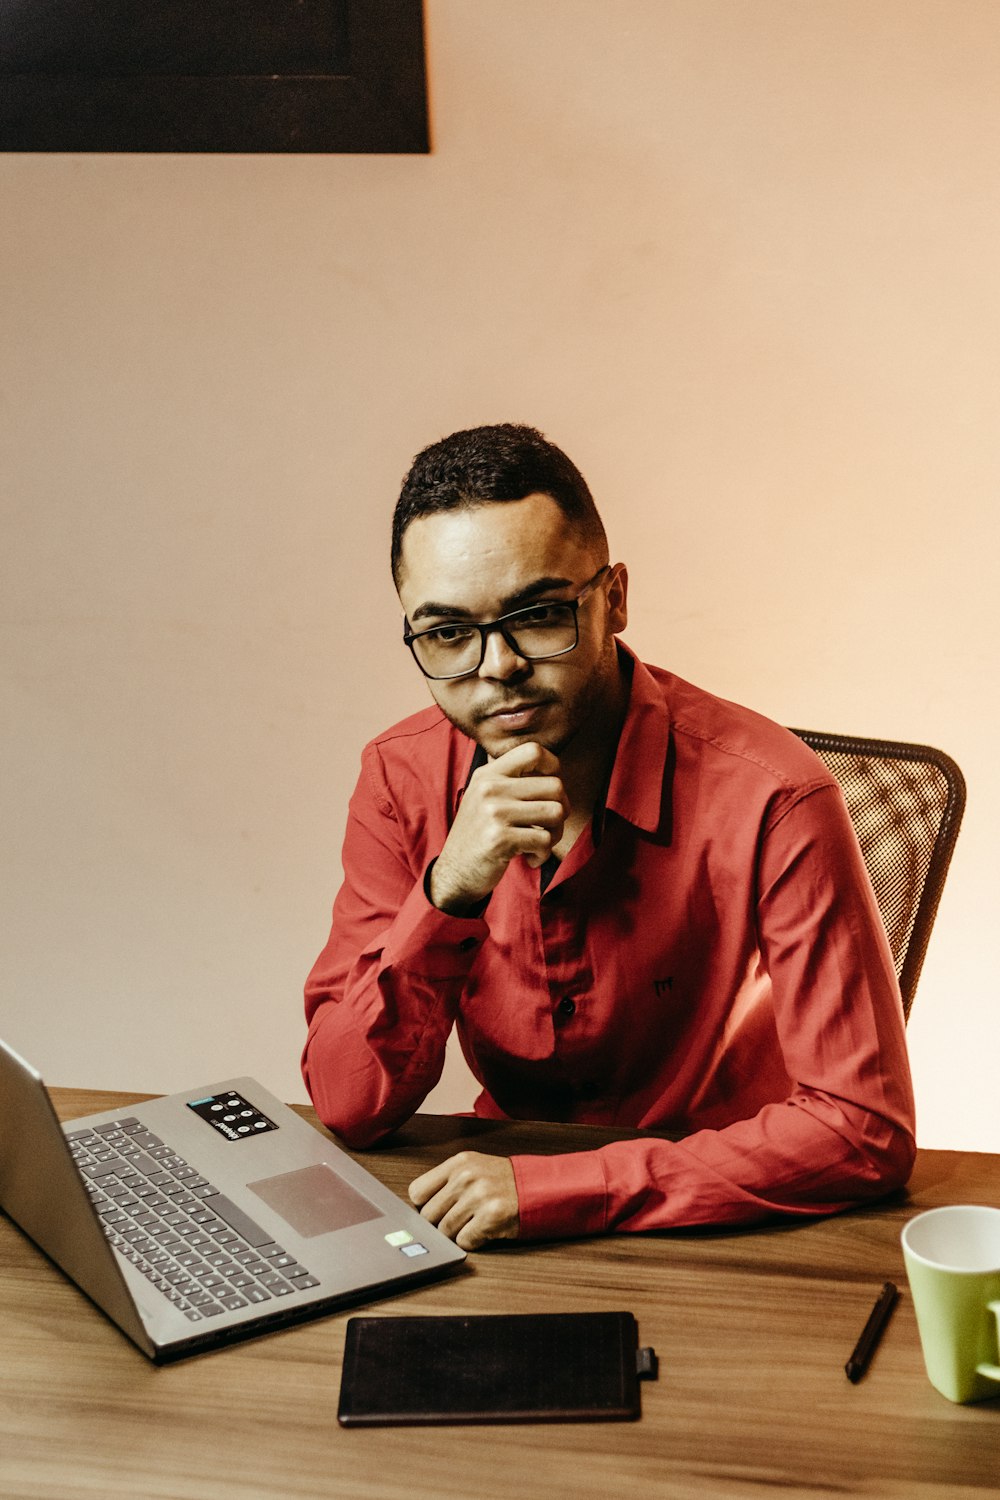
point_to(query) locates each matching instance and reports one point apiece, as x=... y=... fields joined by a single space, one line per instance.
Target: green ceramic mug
x=953 y=1264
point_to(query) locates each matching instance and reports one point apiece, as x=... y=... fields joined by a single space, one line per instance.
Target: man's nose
x=500 y=660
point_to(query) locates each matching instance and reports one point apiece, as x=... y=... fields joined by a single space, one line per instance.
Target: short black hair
x=481 y=464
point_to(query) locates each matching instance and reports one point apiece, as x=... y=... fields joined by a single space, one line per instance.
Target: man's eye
x=449 y=635
x=540 y=614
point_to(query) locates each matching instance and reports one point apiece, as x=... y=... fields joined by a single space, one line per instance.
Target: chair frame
x=944 y=843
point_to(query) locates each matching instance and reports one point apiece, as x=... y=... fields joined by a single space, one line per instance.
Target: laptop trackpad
x=314 y=1200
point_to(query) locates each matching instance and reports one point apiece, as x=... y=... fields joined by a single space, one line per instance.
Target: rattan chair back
x=906 y=804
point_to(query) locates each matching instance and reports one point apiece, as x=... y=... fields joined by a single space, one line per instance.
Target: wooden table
x=752 y=1330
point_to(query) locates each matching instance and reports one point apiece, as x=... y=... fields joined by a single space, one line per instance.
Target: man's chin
x=497 y=744
x=496 y=740
x=496 y=737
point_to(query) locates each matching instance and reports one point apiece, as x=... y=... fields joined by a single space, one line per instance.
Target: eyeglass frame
x=487 y=627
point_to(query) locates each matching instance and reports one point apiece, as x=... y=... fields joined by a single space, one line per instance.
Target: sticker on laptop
x=232 y=1115
x=401 y=1239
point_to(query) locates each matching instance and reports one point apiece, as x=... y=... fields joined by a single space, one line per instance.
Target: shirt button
x=567 y=1006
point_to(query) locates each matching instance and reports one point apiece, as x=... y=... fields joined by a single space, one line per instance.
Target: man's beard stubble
x=594 y=700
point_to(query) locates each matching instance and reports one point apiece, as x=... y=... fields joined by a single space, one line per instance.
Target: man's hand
x=514 y=805
x=471 y=1198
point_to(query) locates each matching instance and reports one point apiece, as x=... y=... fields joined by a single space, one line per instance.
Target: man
x=639 y=904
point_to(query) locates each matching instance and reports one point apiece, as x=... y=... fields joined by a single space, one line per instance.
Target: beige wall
x=740 y=259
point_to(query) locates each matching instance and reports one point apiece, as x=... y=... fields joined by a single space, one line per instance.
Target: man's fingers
x=457 y=1223
x=516 y=804
x=512 y=790
x=438 y=1195
x=537 y=814
x=470 y=1197
x=423 y=1188
x=471 y=1236
x=526 y=759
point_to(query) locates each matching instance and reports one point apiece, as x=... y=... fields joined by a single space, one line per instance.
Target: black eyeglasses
x=535 y=633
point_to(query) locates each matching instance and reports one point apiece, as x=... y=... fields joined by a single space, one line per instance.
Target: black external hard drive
x=543 y=1367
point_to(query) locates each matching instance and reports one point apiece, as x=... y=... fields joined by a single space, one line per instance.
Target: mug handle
x=992 y=1372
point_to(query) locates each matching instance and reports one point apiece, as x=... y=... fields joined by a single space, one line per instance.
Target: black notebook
x=544 y=1367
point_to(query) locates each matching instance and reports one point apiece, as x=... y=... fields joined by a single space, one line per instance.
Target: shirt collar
x=638 y=789
x=639 y=786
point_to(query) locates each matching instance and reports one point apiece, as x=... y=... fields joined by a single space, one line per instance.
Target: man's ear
x=618 y=599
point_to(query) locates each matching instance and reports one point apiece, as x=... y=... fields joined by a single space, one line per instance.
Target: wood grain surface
x=752 y=1329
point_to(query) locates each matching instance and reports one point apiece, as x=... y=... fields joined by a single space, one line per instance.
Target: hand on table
x=471 y=1197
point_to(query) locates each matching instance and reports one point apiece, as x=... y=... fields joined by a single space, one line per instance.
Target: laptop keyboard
x=193 y=1243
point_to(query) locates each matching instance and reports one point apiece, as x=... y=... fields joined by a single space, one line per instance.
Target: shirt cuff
x=560 y=1196
x=475 y=910
x=431 y=943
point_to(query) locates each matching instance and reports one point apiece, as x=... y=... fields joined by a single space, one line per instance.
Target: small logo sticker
x=231 y=1115
x=398 y=1238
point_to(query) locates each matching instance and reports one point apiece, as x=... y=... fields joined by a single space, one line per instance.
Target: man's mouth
x=515 y=715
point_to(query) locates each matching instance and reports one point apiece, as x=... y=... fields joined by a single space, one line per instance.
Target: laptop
x=201 y=1218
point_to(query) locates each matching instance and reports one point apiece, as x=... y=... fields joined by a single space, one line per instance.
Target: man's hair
x=484 y=464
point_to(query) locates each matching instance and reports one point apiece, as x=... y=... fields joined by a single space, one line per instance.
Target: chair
x=906 y=804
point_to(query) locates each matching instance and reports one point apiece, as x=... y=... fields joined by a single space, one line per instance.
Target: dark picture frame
x=213 y=76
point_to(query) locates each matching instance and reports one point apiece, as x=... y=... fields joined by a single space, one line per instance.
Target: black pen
x=871 y=1333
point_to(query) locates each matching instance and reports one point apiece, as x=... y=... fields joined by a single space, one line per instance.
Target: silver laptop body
x=205 y=1217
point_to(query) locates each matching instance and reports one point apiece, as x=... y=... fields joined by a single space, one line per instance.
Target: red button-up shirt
x=707 y=959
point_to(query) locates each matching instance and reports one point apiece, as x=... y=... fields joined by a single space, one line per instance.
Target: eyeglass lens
x=451 y=650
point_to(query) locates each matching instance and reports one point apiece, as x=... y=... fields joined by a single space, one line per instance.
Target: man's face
x=480 y=563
